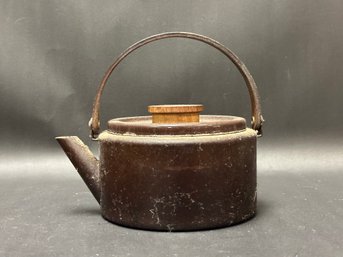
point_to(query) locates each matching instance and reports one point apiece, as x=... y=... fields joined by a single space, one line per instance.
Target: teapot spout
x=84 y=161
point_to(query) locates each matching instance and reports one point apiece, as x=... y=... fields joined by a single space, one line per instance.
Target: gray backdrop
x=53 y=54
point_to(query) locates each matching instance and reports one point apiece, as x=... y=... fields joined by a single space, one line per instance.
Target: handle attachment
x=257 y=118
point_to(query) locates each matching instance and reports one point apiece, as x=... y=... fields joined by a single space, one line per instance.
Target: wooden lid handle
x=175 y=113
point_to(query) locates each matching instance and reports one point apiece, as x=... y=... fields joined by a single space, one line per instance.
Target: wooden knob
x=175 y=113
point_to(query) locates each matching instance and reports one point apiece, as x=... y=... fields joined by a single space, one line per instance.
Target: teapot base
x=182 y=228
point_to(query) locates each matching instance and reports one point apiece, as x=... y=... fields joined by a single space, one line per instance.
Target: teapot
x=175 y=170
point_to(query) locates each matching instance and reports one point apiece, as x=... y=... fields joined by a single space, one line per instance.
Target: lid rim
x=209 y=124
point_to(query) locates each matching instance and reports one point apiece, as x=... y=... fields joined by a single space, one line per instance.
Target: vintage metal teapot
x=175 y=170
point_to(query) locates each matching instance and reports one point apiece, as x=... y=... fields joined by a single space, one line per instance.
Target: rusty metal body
x=178 y=182
x=174 y=170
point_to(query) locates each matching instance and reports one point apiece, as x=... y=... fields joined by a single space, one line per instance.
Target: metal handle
x=257 y=118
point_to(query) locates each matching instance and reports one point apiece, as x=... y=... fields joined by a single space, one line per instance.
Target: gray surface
x=46 y=210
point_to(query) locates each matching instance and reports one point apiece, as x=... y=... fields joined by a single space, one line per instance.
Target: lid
x=176 y=120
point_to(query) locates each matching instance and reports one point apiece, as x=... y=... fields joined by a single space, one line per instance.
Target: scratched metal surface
x=46 y=210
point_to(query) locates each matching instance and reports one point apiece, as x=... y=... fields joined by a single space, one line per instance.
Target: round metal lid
x=208 y=124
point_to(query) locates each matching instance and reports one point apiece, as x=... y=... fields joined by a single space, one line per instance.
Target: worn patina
x=175 y=170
